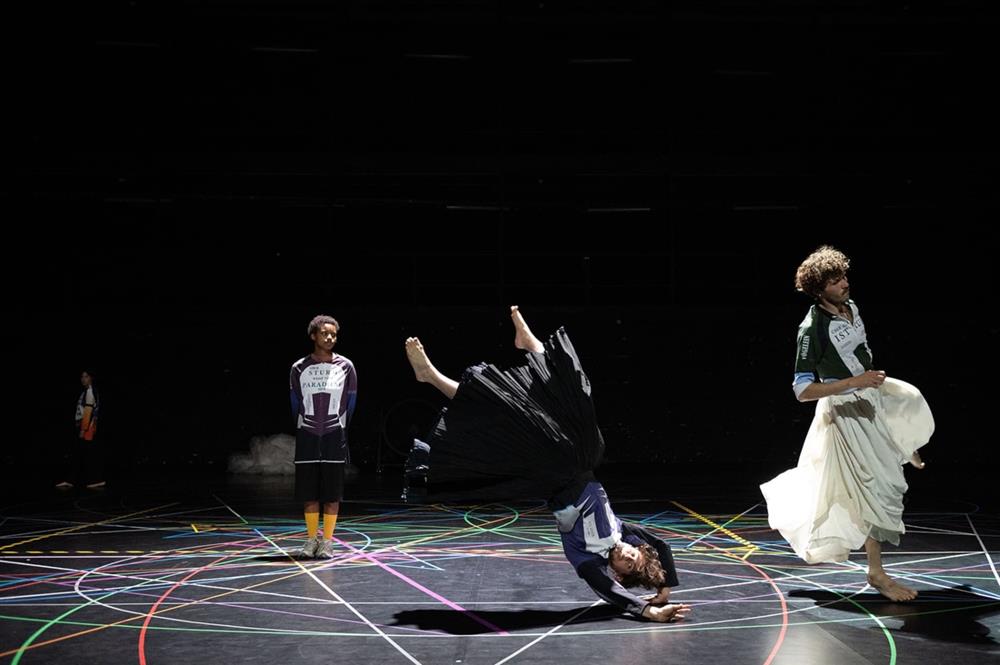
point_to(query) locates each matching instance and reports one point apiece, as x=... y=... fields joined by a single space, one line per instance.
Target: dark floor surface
x=195 y=571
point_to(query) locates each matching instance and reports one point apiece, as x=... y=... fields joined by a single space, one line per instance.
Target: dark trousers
x=84 y=461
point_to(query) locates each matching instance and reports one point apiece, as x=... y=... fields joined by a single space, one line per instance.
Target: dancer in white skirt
x=847 y=490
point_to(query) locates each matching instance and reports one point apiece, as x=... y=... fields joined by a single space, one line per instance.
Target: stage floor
x=204 y=577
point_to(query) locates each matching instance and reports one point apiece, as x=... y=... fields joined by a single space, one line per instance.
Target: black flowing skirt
x=529 y=431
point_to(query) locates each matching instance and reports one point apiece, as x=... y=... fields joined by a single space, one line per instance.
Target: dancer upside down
x=536 y=423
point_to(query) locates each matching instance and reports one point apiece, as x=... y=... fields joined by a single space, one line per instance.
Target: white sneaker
x=325 y=550
x=311 y=547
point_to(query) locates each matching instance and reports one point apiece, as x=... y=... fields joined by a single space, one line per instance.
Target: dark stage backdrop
x=687 y=330
x=190 y=184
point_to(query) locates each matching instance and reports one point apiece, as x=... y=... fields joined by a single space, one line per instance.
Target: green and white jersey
x=830 y=348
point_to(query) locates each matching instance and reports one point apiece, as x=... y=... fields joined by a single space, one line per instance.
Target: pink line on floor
x=417 y=585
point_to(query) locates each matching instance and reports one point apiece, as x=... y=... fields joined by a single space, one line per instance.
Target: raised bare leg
x=523 y=337
x=425 y=371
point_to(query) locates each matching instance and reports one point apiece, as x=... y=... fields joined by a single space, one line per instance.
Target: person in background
x=87 y=464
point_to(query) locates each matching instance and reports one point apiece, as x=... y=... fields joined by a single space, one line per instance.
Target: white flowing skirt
x=849 y=482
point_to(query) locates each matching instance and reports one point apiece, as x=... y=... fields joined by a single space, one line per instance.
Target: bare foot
x=667 y=613
x=916 y=461
x=418 y=359
x=425 y=371
x=890 y=588
x=523 y=338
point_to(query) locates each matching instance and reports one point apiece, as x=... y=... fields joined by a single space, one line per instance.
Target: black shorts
x=319 y=481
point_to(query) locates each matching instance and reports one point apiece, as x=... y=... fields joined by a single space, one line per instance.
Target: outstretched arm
x=596 y=576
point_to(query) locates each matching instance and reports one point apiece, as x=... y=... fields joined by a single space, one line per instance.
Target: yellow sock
x=329 y=524
x=312 y=524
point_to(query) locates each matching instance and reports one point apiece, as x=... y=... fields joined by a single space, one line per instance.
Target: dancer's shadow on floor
x=947 y=615
x=455 y=622
x=286 y=558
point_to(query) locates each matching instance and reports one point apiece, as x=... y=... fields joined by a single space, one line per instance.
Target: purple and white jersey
x=323 y=394
x=589 y=528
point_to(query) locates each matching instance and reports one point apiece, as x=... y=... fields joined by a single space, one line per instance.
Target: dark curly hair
x=649 y=573
x=320 y=321
x=823 y=265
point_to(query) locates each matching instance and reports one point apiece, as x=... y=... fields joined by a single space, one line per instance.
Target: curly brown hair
x=649 y=573
x=823 y=265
